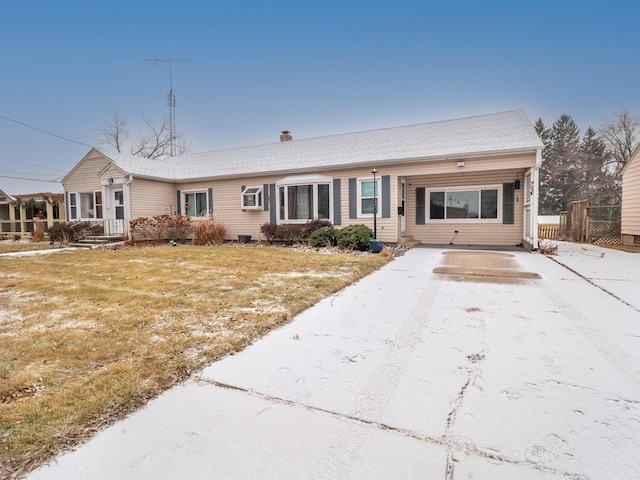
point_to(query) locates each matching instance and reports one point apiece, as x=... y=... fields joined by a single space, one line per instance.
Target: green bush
x=313 y=225
x=323 y=237
x=355 y=237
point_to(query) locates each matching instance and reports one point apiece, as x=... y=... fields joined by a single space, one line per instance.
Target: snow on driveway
x=478 y=372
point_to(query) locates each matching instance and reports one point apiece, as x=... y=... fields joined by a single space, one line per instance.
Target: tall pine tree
x=544 y=134
x=560 y=172
x=596 y=182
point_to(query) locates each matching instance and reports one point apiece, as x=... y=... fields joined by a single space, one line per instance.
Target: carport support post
x=375 y=205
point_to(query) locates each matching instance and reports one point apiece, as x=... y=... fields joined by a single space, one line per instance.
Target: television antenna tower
x=171 y=99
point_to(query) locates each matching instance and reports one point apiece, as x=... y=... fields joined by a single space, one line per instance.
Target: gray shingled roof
x=13 y=186
x=493 y=133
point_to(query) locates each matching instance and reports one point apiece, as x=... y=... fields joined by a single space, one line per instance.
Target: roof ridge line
x=292 y=142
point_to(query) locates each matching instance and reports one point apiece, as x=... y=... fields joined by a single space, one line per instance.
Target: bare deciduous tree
x=621 y=135
x=154 y=143
x=114 y=132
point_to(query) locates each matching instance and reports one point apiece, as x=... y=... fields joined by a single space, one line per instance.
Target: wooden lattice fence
x=586 y=223
x=603 y=226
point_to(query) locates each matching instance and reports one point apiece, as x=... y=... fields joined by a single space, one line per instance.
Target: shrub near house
x=324 y=237
x=355 y=237
x=161 y=227
x=290 y=233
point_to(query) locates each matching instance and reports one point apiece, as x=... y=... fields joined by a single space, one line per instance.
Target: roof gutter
x=492 y=153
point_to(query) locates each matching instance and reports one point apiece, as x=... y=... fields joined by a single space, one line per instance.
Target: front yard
x=9 y=246
x=88 y=336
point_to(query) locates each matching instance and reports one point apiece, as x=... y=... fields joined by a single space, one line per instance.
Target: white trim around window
x=367 y=196
x=251 y=198
x=303 y=198
x=85 y=205
x=195 y=203
x=468 y=204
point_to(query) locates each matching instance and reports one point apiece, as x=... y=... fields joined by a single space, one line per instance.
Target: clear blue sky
x=311 y=67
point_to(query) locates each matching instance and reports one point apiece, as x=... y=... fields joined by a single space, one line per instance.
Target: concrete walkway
x=410 y=374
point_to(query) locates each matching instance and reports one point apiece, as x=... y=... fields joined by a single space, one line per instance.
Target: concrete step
x=95 y=241
x=405 y=239
x=83 y=245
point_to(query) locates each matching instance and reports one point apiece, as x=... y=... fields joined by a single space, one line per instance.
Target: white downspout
x=535 y=177
x=126 y=192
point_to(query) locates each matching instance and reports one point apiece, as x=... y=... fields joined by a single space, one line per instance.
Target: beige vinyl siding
x=112 y=171
x=387 y=227
x=450 y=165
x=226 y=198
x=150 y=198
x=631 y=197
x=469 y=233
x=85 y=176
x=227 y=207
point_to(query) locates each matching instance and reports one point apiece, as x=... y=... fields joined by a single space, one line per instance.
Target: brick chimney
x=286 y=136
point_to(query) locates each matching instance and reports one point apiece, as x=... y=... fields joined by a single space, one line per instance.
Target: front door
x=115 y=221
x=118 y=202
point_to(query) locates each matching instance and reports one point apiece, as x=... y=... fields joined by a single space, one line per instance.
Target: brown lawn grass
x=88 y=336
x=9 y=246
x=624 y=248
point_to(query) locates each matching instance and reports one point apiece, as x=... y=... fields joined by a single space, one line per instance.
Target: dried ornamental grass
x=209 y=232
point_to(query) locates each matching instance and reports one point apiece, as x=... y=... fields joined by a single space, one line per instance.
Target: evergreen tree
x=560 y=173
x=596 y=184
x=584 y=168
x=544 y=134
x=542 y=131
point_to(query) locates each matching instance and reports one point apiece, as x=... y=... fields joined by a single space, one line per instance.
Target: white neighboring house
x=468 y=181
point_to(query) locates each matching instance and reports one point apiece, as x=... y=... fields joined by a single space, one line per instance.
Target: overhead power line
x=32 y=164
x=44 y=131
x=47 y=179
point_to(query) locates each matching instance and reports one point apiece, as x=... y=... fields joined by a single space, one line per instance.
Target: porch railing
x=11 y=228
x=110 y=228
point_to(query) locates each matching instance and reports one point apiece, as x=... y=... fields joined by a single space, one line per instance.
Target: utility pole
x=171 y=99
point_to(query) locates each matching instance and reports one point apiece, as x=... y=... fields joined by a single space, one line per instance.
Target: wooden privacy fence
x=598 y=224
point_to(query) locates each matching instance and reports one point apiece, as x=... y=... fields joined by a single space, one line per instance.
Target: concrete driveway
x=482 y=371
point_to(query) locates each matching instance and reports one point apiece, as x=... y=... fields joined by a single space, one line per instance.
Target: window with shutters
x=368 y=196
x=464 y=204
x=196 y=203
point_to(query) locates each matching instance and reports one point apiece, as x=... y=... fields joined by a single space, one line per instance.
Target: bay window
x=304 y=198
